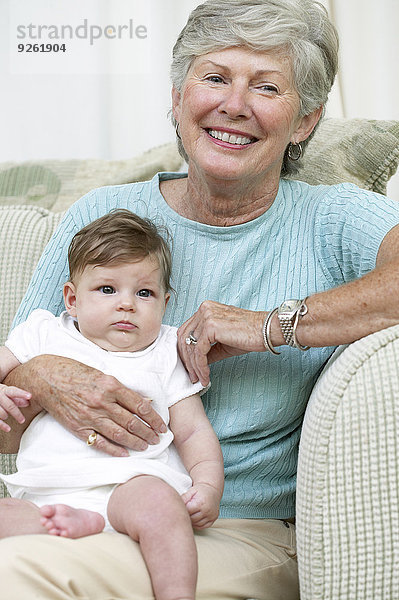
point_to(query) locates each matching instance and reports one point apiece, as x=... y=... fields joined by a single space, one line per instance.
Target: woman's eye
x=215 y=79
x=107 y=289
x=144 y=293
x=269 y=89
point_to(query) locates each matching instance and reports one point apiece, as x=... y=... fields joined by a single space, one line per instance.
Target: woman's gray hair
x=301 y=29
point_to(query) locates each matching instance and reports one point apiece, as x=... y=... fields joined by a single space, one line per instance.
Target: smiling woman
x=308 y=44
x=230 y=94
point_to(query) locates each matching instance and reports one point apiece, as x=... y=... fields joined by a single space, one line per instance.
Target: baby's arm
x=10 y=397
x=199 y=448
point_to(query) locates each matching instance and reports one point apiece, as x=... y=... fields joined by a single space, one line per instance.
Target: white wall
x=110 y=100
x=74 y=109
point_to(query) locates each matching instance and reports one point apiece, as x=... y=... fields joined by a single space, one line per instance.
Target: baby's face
x=119 y=307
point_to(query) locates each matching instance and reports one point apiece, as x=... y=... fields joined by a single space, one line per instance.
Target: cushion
x=25 y=231
x=7 y=466
x=361 y=151
x=56 y=184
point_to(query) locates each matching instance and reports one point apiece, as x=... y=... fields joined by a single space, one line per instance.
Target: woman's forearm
x=349 y=312
x=356 y=309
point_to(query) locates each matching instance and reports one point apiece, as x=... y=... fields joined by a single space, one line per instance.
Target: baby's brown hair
x=119 y=237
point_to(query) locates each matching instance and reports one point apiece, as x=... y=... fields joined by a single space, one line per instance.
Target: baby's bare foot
x=63 y=520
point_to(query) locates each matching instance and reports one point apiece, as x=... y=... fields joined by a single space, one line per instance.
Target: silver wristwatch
x=288 y=315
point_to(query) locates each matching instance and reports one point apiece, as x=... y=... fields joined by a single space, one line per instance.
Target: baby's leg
x=19 y=517
x=63 y=520
x=151 y=512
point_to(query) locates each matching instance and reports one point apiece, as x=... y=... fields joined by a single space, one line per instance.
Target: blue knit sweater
x=311 y=239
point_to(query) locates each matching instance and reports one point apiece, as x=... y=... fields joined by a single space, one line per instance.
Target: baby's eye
x=144 y=293
x=107 y=289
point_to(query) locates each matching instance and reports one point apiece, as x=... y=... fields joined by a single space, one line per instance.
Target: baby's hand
x=202 y=502
x=10 y=399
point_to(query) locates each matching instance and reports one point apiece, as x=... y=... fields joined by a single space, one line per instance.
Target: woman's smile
x=231 y=138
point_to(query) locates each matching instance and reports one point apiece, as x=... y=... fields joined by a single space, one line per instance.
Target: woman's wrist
x=271 y=332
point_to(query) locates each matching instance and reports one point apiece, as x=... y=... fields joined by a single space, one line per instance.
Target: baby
x=115 y=301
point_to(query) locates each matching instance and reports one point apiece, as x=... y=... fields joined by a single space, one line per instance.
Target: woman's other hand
x=221 y=331
x=84 y=400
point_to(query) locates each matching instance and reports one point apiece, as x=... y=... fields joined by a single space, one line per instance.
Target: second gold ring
x=92 y=438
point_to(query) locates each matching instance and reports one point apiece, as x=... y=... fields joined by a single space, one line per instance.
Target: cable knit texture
x=309 y=240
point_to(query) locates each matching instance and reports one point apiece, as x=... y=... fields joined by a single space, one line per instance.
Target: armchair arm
x=348 y=484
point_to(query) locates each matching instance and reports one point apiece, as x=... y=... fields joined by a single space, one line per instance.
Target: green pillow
x=361 y=151
x=56 y=184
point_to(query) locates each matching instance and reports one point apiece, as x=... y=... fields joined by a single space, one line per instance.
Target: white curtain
x=368 y=81
x=369 y=52
x=116 y=106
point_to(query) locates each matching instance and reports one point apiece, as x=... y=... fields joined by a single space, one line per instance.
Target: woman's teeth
x=231 y=139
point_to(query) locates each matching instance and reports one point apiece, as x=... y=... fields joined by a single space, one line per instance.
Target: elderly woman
x=260 y=262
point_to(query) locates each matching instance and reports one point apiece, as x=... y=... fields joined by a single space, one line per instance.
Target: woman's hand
x=221 y=331
x=84 y=400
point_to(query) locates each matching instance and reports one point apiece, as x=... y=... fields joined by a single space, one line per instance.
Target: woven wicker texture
x=347 y=494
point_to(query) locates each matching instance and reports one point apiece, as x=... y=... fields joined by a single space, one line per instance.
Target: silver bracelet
x=303 y=309
x=266 y=332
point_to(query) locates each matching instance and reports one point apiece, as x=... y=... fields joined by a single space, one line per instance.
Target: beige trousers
x=238 y=559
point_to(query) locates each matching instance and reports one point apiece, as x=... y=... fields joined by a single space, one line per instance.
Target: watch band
x=289 y=313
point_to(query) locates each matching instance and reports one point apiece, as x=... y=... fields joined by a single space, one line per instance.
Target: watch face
x=289 y=306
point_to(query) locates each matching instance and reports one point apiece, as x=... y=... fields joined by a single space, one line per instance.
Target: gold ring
x=92 y=438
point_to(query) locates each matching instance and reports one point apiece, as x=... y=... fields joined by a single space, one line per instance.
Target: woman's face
x=237 y=112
